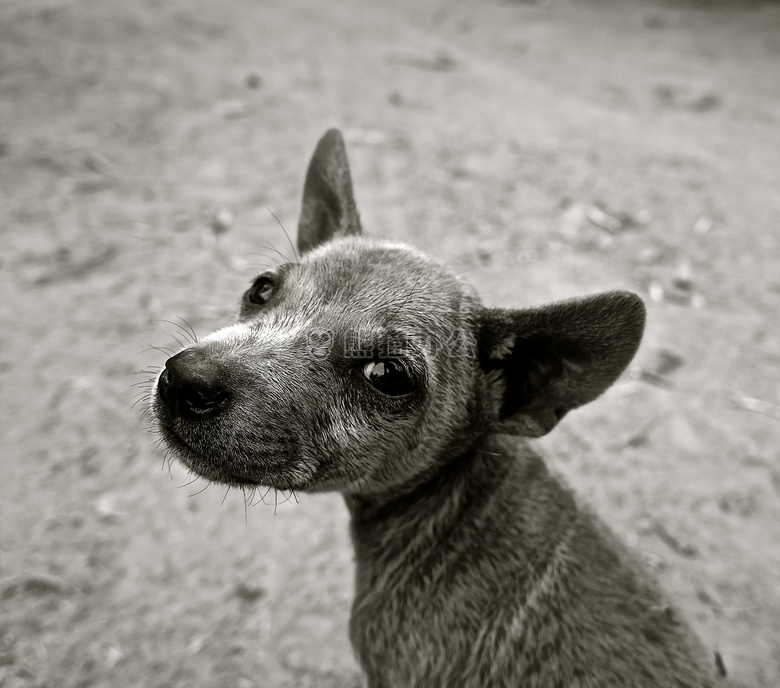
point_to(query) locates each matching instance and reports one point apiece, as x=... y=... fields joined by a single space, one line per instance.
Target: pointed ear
x=328 y=203
x=540 y=363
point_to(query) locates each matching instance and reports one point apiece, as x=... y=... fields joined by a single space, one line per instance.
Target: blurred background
x=546 y=149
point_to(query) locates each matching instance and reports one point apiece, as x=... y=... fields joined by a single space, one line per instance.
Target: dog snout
x=192 y=385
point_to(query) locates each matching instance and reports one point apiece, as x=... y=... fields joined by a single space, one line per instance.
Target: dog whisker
x=275 y=251
x=187 y=332
x=289 y=240
x=189 y=329
x=222 y=503
x=201 y=491
x=162 y=349
x=194 y=479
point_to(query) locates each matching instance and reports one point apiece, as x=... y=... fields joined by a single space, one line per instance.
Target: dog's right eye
x=261 y=290
x=389 y=377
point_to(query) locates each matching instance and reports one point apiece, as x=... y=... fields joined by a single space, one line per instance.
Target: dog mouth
x=205 y=449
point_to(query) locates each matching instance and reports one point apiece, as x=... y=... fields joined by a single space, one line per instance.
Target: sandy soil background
x=545 y=149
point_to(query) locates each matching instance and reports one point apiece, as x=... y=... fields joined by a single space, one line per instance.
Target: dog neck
x=459 y=497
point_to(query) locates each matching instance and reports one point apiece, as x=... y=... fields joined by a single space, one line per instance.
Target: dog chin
x=224 y=474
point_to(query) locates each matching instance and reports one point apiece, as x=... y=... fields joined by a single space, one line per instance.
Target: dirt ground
x=546 y=149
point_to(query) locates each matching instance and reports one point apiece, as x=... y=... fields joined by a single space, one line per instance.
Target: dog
x=369 y=368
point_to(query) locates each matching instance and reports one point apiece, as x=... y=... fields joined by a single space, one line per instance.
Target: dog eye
x=389 y=377
x=261 y=290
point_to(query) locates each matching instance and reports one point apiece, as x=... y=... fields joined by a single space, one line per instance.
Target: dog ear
x=540 y=363
x=329 y=208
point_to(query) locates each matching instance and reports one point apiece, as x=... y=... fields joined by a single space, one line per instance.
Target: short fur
x=475 y=567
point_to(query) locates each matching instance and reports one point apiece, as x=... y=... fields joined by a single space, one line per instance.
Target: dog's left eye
x=389 y=377
x=261 y=290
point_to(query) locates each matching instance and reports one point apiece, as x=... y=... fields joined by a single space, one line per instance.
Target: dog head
x=365 y=365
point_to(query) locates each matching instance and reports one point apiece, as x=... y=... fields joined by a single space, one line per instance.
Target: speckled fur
x=475 y=567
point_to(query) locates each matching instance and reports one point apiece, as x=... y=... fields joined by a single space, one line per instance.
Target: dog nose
x=192 y=385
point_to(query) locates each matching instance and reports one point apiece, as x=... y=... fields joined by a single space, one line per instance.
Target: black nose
x=193 y=385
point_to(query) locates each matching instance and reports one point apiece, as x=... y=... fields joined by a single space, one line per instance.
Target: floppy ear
x=542 y=362
x=328 y=203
